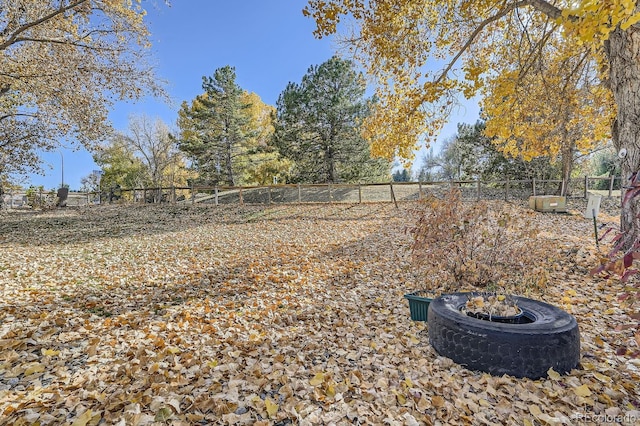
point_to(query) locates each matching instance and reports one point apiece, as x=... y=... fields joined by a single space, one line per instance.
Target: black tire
x=552 y=339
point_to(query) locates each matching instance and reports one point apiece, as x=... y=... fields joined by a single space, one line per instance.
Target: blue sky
x=269 y=43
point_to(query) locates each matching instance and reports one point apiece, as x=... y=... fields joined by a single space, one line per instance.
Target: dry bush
x=475 y=246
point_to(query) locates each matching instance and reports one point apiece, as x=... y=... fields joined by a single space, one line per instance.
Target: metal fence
x=321 y=193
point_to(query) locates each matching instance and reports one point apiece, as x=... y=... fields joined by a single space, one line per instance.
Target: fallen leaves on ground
x=271 y=315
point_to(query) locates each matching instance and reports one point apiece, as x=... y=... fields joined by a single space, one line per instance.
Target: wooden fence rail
x=323 y=193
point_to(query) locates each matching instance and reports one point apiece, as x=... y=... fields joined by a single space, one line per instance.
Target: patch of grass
x=100 y=311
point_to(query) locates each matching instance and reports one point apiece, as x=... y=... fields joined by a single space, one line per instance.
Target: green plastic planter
x=418 y=305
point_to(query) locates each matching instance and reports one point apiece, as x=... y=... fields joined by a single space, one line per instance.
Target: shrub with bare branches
x=461 y=245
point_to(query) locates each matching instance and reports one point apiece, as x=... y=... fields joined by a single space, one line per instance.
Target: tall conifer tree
x=213 y=128
x=318 y=126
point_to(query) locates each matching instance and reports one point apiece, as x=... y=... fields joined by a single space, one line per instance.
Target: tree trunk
x=567 y=168
x=229 y=163
x=331 y=165
x=622 y=49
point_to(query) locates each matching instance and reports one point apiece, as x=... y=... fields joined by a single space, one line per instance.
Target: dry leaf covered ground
x=271 y=315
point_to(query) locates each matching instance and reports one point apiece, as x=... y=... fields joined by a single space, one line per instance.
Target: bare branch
x=64 y=42
x=4 y=117
x=539 y=5
x=545 y=7
x=502 y=13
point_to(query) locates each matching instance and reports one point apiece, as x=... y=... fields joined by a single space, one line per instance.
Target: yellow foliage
x=260 y=122
x=272 y=407
x=317 y=380
x=423 y=54
x=64 y=63
x=583 y=391
x=550 y=107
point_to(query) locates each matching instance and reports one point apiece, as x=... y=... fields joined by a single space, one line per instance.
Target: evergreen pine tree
x=318 y=126
x=212 y=128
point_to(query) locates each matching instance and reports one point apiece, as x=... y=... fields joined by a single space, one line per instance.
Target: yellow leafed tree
x=62 y=64
x=263 y=165
x=576 y=111
x=424 y=53
x=260 y=119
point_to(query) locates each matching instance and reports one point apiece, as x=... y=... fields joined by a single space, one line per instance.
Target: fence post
x=215 y=195
x=393 y=195
x=419 y=190
x=533 y=184
x=299 y=195
x=359 y=193
x=611 y=186
x=173 y=194
x=506 y=190
x=240 y=194
x=586 y=186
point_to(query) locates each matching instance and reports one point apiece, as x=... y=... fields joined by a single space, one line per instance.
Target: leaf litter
x=280 y=315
